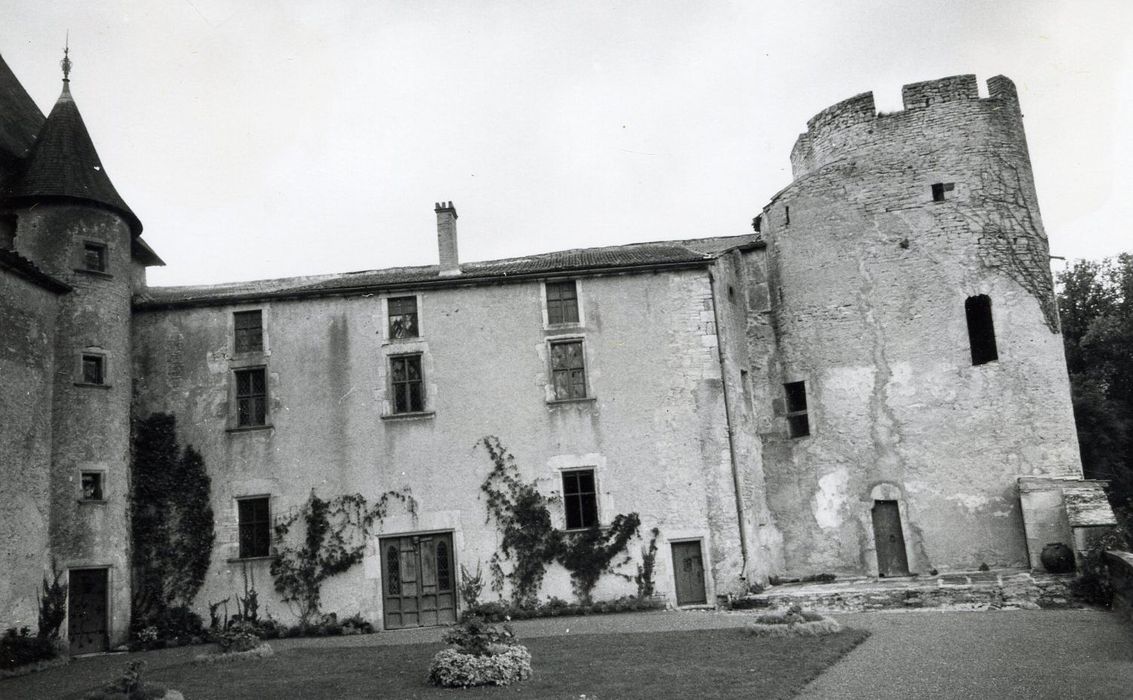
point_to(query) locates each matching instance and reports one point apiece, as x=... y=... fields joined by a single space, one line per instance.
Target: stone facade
x=797 y=401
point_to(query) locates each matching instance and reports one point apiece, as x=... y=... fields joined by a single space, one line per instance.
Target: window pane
x=393 y=571
x=562 y=302
x=249 y=331
x=403 y=317
x=94 y=257
x=92 y=369
x=255 y=527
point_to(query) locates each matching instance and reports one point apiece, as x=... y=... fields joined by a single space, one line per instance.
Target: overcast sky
x=271 y=139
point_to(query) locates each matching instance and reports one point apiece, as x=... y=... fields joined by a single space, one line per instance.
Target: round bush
x=506 y=664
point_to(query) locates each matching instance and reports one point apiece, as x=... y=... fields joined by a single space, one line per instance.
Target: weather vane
x=65 y=64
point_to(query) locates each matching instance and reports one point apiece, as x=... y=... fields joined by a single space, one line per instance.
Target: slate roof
x=13 y=262
x=63 y=164
x=20 y=118
x=644 y=256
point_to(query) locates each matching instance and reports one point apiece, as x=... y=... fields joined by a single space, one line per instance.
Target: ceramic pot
x=1057 y=558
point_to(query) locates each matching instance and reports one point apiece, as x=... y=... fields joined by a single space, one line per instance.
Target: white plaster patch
x=970 y=501
x=830 y=498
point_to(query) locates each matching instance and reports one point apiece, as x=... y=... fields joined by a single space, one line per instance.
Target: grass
x=721 y=663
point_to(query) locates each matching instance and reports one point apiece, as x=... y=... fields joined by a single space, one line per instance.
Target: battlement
x=831 y=133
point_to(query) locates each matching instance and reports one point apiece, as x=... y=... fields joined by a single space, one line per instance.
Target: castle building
x=872 y=382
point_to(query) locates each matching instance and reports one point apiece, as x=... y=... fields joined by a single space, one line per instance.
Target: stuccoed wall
x=27 y=368
x=655 y=431
x=90 y=425
x=868 y=281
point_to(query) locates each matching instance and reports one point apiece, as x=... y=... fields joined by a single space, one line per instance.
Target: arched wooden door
x=418 y=581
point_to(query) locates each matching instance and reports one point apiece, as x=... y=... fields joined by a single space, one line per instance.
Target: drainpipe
x=731 y=436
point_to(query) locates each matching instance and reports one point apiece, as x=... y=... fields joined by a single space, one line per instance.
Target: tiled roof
x=64 y=164
x=14 y=262
x=20 y=119
x=637 y=255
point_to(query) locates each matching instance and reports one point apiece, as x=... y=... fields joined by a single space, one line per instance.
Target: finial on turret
x=65 y=64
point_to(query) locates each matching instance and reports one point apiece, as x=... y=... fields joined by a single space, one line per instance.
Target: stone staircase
x=1004 y=589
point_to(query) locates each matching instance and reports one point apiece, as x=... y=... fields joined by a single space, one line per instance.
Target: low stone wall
x=1120 y=566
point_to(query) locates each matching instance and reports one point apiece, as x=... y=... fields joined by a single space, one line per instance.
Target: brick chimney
x=446 y=238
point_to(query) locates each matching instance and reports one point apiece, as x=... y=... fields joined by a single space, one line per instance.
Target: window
x=580 y=499
x=798 y=425
x=406 y=384
x=403 y=317
x=393 y=571
x=940 y=188
x=94 y=369
x=444 y=575
x=981 y=329
x=562 y=302
x=251 y=397
x=786 y=216
x=94 y=257
x=255 y=527
x=568 y=371
x=92 y=486
x=249 y=331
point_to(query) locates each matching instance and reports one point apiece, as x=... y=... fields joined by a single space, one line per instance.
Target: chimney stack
x=446 y=238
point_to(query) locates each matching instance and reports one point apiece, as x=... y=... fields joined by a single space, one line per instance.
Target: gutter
x=731 y=435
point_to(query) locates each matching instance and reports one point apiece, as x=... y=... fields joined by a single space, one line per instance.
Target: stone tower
x=916 y=324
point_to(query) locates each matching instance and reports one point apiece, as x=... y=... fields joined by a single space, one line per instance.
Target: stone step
x=980 y=590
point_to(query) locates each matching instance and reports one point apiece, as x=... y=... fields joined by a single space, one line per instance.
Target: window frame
x=252 y=525
x=793 y=411
x=389 y=329
x=580 y=495
x=100 y=476
x=559 y=303
x=394 y=384
x=237 y=424
x=584 y=368
x=103 y=252
x=93 y=353
x=237 y=329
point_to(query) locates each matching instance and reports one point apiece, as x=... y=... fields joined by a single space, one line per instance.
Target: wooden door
x=87 y=620
x=688 y=567
x=418 y=582
x=891 y=558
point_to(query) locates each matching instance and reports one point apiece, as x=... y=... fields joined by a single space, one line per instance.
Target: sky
x=273 y=139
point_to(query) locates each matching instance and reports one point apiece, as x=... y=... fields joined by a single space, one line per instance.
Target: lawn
x=720 y=663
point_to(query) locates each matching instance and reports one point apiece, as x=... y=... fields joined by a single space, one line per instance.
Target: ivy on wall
x=171 y=520
x=530 y=542
x=324 y=538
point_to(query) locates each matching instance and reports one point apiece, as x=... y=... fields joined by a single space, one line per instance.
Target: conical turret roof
x=20 y=119
x=63 y=164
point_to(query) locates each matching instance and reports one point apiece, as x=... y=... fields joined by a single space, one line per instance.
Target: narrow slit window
x=798 y=424
x=562 y=302
x=580 y=499
x=255 y=527
x=94 y=369
x=981 y=329
x=249 y=328
x=407 y=384
x=939 y=189
x=444 y=574
x=393 y=570
x=403 y=317
x=786 y=216
x=251 y=397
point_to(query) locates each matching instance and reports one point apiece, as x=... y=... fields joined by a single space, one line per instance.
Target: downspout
x=731 y=436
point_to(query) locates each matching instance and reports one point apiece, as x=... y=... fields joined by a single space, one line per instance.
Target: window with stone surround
x=940 y=190
x=562 y=302
x=94 y=369
x=94 y=256
x=254 y=515
x=402 y=312
x=91 y=483
x=407 y=385
x=251 y=397
x=798 y=423
x=248 y=327
x=580 y=499
x=981 y=329
x=568 y=370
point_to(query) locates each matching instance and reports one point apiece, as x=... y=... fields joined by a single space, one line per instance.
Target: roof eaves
x=22 y=267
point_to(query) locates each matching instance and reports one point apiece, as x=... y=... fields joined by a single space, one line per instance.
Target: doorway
x=418 y=582
x=891 y=557
x=688 y=567
x=87 y=619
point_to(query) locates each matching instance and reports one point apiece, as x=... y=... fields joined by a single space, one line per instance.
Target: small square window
x=255 y=527
x=94 y=257
x=407 y=384
x=251 y=397
x=94 y=369
x=249 y=329
x=939 y=190
x=403 y=317
x=568 y=370
x=580 y=499
x=562 y=302
x=798 y=425
x=92 y=486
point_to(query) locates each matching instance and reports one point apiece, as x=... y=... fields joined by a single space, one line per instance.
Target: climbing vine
x=171 y=520
x=332 y=539
x=530 y=542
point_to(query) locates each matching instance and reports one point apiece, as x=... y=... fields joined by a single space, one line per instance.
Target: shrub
x=128 y=686
x=52 y=606
x=1093 y=585
x=19 y=647
x=794 y=622
x=476 y=637
x=240 y=636
x=356 y=625
x=555 y=607
x=454 y=669
x=263 y=651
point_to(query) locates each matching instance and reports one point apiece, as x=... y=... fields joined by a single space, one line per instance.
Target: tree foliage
x=171 y=520
x=1095 y=302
